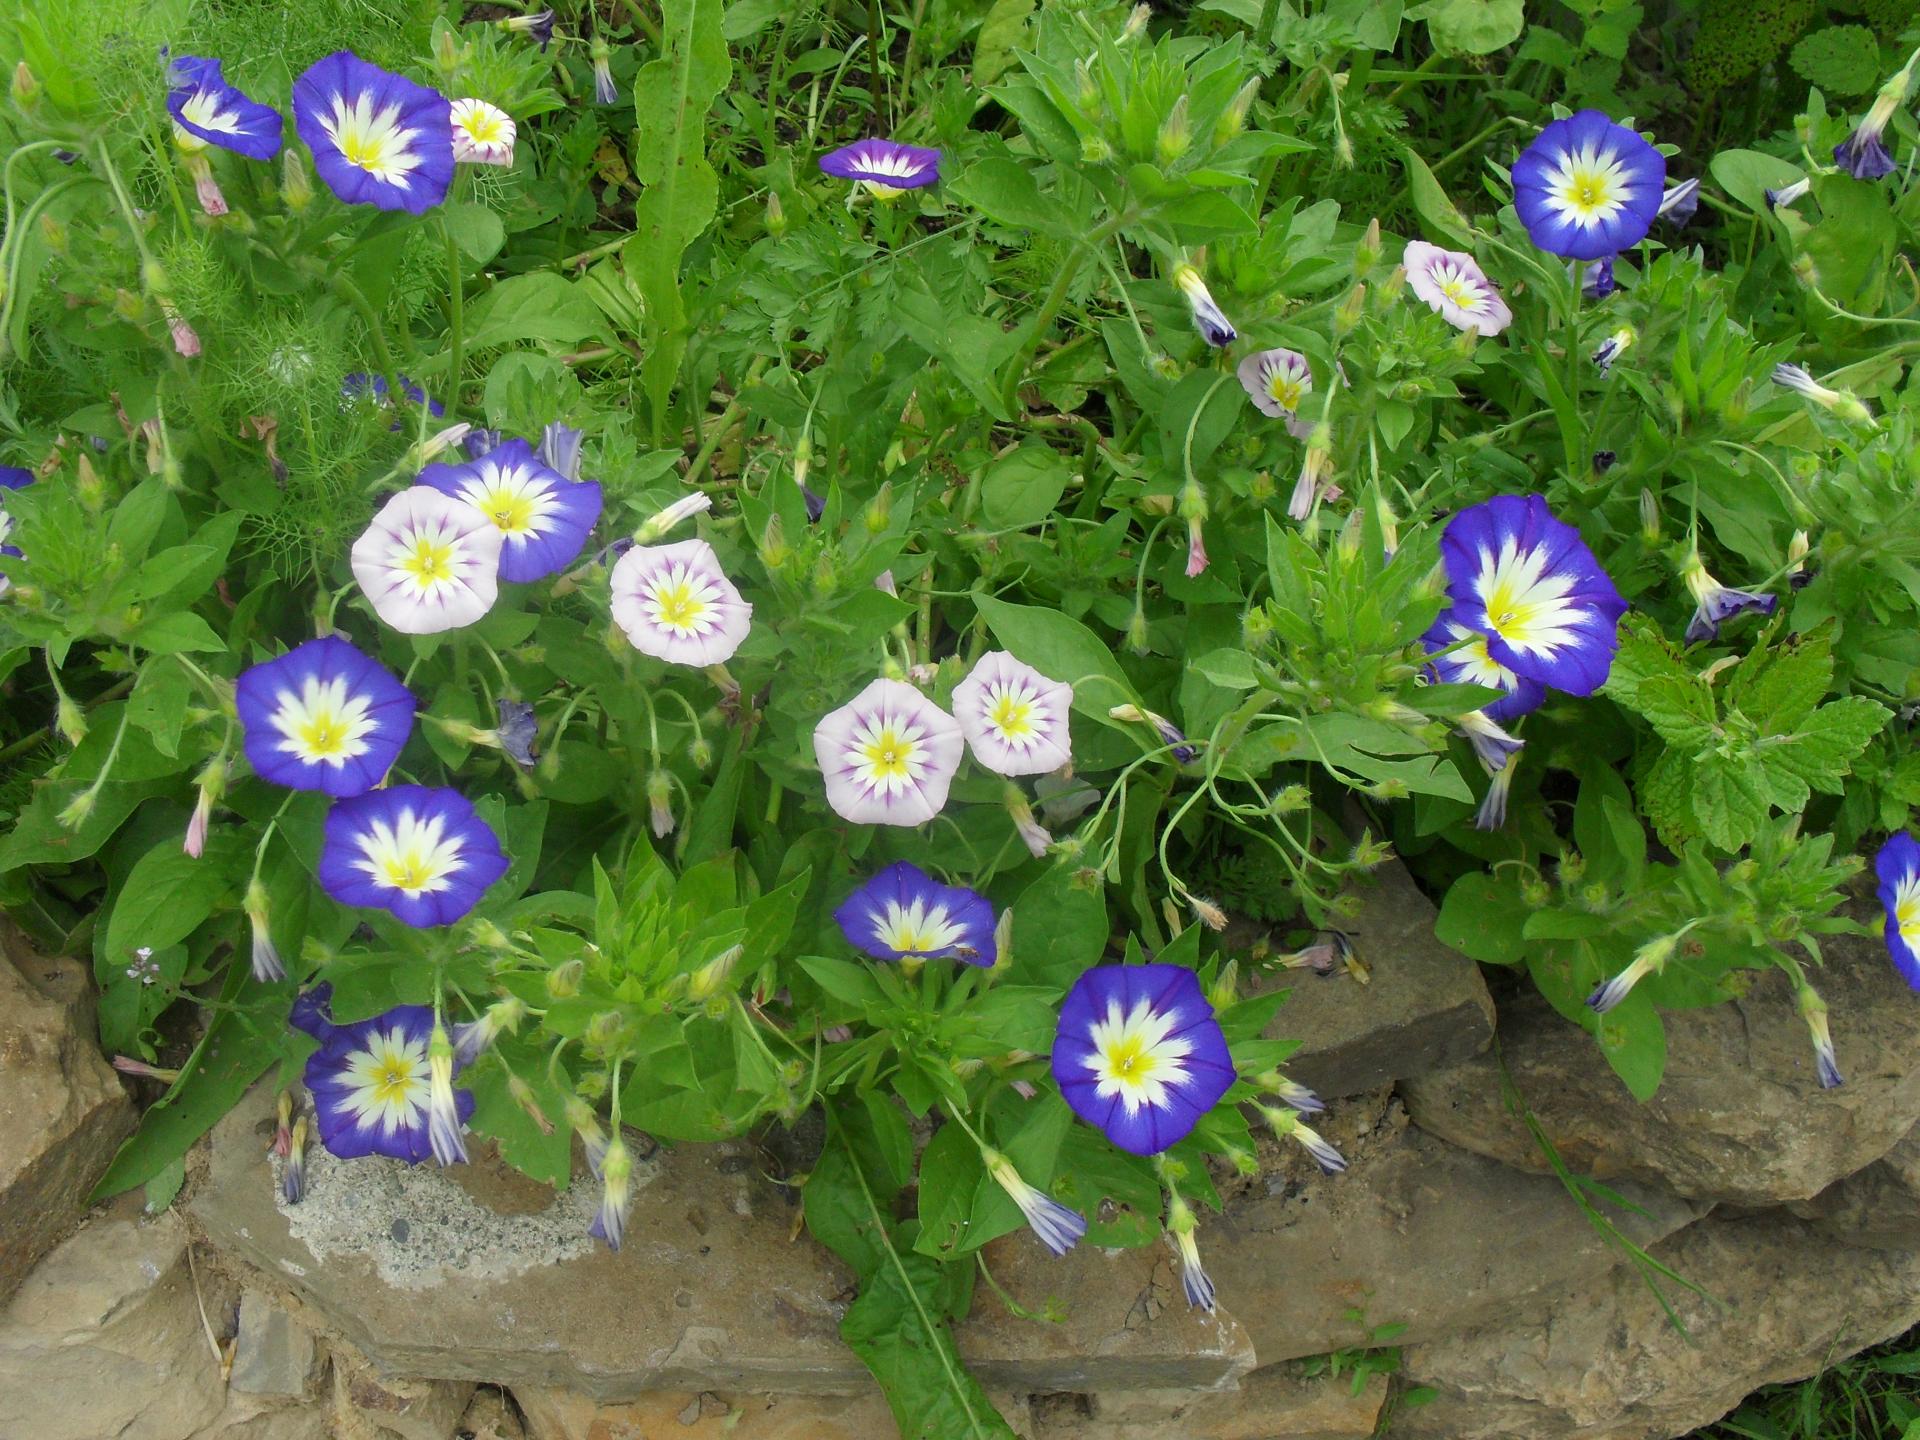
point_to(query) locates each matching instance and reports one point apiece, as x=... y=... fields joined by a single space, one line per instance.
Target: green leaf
x=539 y=307
x=177 y=633
x=1729 y=800
x=1680 y=710
x=1022 y=486
x=679 y=190
x=1059 y=929
x=1822 y=750
x=844 y=980
x=159 y=703
x=1747 y=175
x=1432 y=203
x=1483 y=917
x=475 y=229
x=1003 y=189
x=545 y=1155
x=164 y=899
x=1840 y=59
x=1000 y=32
x=1635 y=1044
x=1471 y=27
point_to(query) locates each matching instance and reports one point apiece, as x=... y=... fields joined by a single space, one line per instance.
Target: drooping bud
x=443 y=1112
x=1193 y=1277
x=1826 y=1064
x=213 y=784
x=1650 y=959
x=472 y=1037
x=293 y=1170
x=521 y=1093
x=616 y=1178
x=70 y=720
x=1287 y=1125
x=660 y=804
x=266 y=959
x=1057 y=1227
x=1037 y=838
x=586 y=1124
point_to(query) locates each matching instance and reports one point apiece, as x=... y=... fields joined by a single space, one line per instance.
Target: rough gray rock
x=62 y=1110
x=1879 y=1207
x=104 y=1339
x=1425 y=1005
x=1739 y=1116
x=1601 y=1362
x=273 y=1354
x=1272 y=1404
x=709 y=1415
x=1416 y=1233
x=420 y=1271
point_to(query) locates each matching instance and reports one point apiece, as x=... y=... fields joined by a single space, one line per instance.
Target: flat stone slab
x=1415 y=1233
x=1602 y=1361
x=1739 y=1116
x=475 y=1273
x=1424 y=1006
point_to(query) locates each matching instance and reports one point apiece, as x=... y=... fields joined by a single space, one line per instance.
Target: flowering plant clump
x=573 y=573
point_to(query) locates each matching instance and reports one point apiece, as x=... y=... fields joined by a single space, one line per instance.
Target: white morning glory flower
x=429 y=562
x=888 y=755
x=1014 y=718
x=675 y=604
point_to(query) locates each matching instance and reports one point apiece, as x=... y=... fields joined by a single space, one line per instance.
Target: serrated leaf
x=1729 y=800
x=1643 y=653
x=1778 y=686
x=1680 y=711
x=1840 y=59
x=1823 y=749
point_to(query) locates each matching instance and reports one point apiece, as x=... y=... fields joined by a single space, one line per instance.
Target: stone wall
x=420 y=1304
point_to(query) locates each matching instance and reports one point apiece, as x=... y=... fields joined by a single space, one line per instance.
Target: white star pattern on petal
x=1526 y=604
x=1135 y=1058
x=388 y=1081
x=1587 y=187
x=377 y=143
x=916 y=928
x=415 y=856
x=324 y=724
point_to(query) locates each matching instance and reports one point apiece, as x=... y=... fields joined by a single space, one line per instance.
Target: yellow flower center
x=430 y=562
x=323 y=734
x=1510 y=615
x=887 y=756
x=1285 y=390
x=511 y=510
x=677 y=607
x=392 y=1079
x=1013 y=717
x=1129 y=1059
x=1459 y=293
x=409 y=871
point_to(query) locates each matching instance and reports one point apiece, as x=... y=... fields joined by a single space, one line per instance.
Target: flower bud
x=660 y=804
x=295 y=186
x=1347 y=316
x=563 y=981
x=1234 y=118
x=707 y=980
x=1366 y=253
x=266 y=959
x=26 y=88
x=1176 y=136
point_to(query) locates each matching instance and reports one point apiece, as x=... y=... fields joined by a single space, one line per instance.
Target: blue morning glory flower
x=358 y=383
x=905 y=914
x=544 y=519
x=372 y=1086
x=886 y=167
x=1139 y=1055
x=323 y=717
x=517 y=729
x=210 y=110
x=1528 y=584
x=377 y=139
x=421 y=853
x=1587 y=187
x=1599 y=282
x=1898 y=867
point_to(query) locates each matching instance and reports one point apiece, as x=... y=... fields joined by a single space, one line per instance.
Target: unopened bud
x=776 y=215
x=1649 y=517
x=1234 y=118
x=1366 y=253
x=295 y=186
x=563 y=981
x=26 y=87
x=70 y=720
x=1176 y=136
x=1347 y=316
